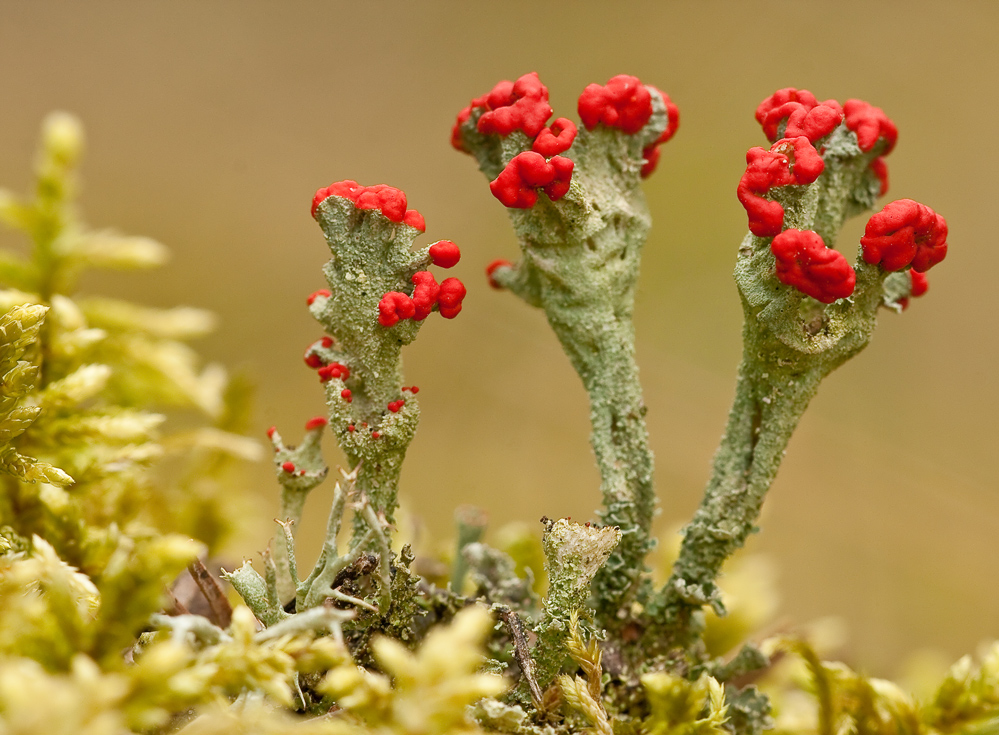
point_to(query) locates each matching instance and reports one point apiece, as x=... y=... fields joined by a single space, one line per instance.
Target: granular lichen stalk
x=575 y=201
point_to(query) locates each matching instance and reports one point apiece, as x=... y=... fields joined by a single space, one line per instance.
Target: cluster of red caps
x=390 y=201
x=905 y=234
x=625 y=103
x=523 y=105
x=427 y=293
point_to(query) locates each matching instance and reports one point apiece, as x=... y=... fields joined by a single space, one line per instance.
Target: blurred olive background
x=211 y=124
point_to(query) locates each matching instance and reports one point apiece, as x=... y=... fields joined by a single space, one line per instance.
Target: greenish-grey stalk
x=790 y=343
x=371 y=256
x=581 y=257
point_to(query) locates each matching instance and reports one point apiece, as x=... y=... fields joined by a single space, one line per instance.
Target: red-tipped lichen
x=517 y=184
x=390 y=201
x=651 y=153
x=492 y=267
x=804 y=114
x=880 y=169
x=315 y=423
x=787 y=162
x=521 y=105
x=804 y=262
x=870 y=124
x=452 y=293
x=555 y=139
x=424 y=294
x=920 y=283
x=333 y=370
x=445 y=254
x=905 y=234
x=393 y=307
x=323 y=292
x=622 y=103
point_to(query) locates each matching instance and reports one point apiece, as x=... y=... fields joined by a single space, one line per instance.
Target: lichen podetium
x=807 y=311
x=581 y=245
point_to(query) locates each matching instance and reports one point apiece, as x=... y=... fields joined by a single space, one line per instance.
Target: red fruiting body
x=555 y=139
x=333 y=370
x=491 y=268
x=313 y=360
x=390 y=201
x=880 y=169
x=920 y=283
x=395 y=406
x=462 y=118
x=806 y=163
x=903 y=234
x=521 y=105
x=375 y=435
x=345 y=394
x=288 y=467
x=622 y=103
x=804 y=114
x=393 y=307
x=672 y=117
x=445 y=254
x=787 y=162
x=324 y=292
x=315 y=423
x=651 y=153
x=326 y=342
x=271 y=431
x=804 y=262
x=516 y=185
x=651 y=156
x=452 y=292
x=870 y=124
x=350 y=428
x=425 y=294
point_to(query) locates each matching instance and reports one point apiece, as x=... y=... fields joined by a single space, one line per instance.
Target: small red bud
x=345 y=395
x=316 y=294
x=492 y=267
x=315 y=423
x=452 y=292
x=288 y=467
x=445 y=254
x=393 y=307
x=375 y=435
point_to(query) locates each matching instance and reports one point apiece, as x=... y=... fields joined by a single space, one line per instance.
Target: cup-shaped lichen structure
x=807 y=309
x=575 y=200
x=379 y=294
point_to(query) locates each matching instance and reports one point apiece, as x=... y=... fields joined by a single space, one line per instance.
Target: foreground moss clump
x=570 y=632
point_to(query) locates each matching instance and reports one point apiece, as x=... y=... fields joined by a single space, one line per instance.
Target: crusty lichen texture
x=792 y=340
x=581 y=246
x=379 y=294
